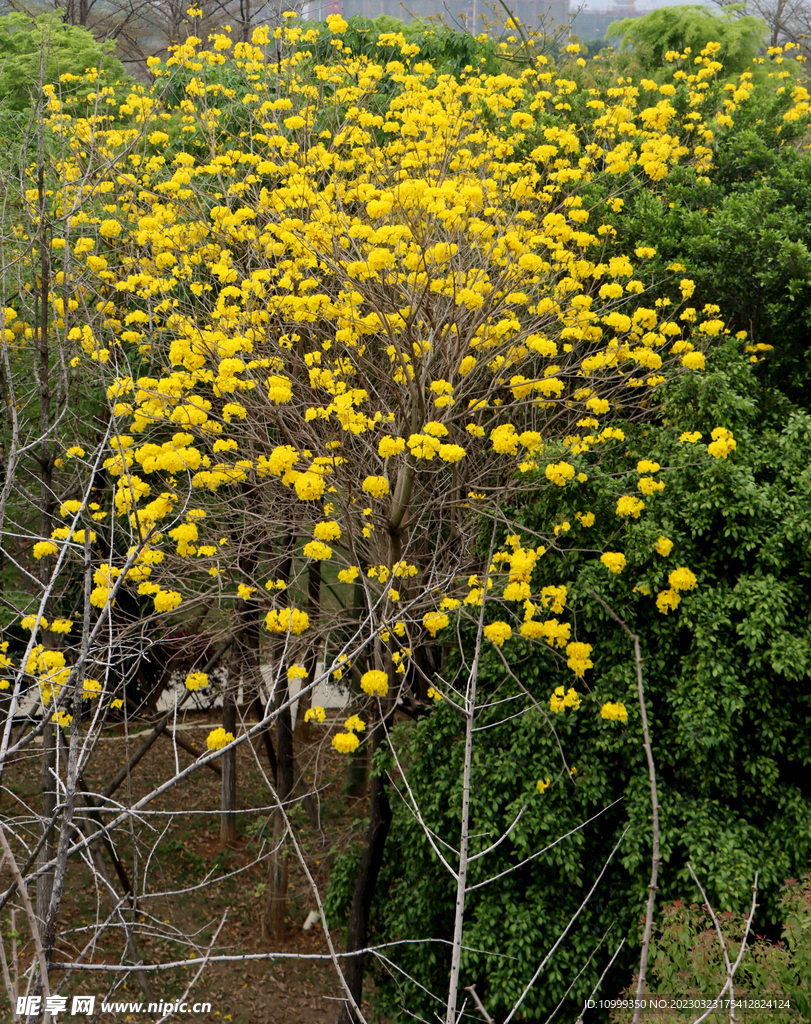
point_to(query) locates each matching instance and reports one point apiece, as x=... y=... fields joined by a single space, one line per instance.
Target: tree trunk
x=357 y=773
x=245 y=18
x=228 y=803
x=244 y=670
x=275 y=908
x=276 y=892
x=368 y=871
x=357 y=769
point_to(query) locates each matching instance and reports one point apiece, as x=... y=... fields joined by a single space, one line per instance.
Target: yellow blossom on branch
x=559 y=473
x=317 y=551
x=722 y=443
x=219 y=738
x=292 y=619
x=91 y=688
x=345 y=742
x=498 y=632
x=579 y=658
x=434 y=621
x=668 y=601
x=374 y=682
x=562 y=699
x=377 y=486
x=627 y=505
x=614 y=712
x=682 y=579
x=614 y=561
x=196 y=681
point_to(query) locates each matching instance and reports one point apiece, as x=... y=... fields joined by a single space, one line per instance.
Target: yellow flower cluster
x=614 y=561
x=562 y=699
x=91 y=688
x=196 y=681
x=722 y=443
x=327 y=531
x=374 y=682
x=520 y=562
x=579 y=659
x=554 y=598
x=559 y=473
x=219 y=738
x=166 y=600
x=649 y=486
x=498 y=632
x=287 y=619
x=614 y=712
x=627 y=505
x=668 y=601
x=29 y=621
x=434 y=621
x=682 y=579
x=317 y=551
x=345 y=742
x=555 y=633
x=44 y=548
x=377 y=486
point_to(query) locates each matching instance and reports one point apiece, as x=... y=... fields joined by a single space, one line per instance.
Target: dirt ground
x=176 y=853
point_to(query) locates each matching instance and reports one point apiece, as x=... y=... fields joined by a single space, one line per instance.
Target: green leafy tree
x=741 y=230
x=37 y=51
x=725 y=679
x=693 y=26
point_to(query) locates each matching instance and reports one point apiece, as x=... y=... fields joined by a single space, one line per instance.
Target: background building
x=466 y=13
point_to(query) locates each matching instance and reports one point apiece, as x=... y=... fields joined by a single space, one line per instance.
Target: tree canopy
x=433 y=370
x=44 y=50
x=690 y=27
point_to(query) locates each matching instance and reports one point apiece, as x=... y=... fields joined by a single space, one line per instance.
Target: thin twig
x=461 y=877
x=654 y=798
x=734 y=968
x=472 y=990
x=29 y=910
x=600 y=979
x=565 y=931
x=722 y=942
x=11 y=989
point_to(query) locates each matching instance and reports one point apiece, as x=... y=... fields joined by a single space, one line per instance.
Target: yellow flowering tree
x=340 y=335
